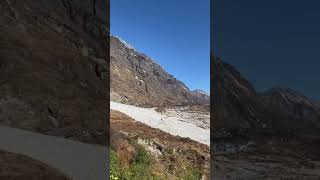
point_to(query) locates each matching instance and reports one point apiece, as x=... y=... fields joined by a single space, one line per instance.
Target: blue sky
x=273 y=43
x=175 y=33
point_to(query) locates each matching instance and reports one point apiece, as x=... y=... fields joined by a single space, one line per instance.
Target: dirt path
x=77 y=160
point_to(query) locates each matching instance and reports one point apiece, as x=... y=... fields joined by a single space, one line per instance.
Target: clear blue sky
x=273 y=43
x=175 y=33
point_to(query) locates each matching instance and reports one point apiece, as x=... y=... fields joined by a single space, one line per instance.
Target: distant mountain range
x=239 y=109
x=137 y=79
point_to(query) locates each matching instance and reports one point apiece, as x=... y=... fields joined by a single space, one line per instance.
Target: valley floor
x=175 y=121
x=292 y=161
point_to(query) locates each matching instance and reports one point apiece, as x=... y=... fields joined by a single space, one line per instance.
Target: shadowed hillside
x=54 y=67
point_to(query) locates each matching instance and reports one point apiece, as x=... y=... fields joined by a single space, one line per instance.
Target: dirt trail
x=75 y=159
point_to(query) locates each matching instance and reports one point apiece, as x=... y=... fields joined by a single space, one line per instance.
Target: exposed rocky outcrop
x=136 y=79
x=54 y=66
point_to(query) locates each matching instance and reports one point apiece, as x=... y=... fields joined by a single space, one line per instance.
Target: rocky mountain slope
x=239 y=109
x=261 y=135
x=54 y=67
x=147 y=106
x=138 y=80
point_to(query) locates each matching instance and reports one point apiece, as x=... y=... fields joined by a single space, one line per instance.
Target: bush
x=192 y=173
x=139 y=169
x=114 y=165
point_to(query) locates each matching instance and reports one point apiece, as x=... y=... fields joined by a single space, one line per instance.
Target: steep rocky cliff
x=54 y=67
x=136 y=79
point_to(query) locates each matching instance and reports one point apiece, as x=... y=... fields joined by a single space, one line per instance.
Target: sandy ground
x=174 y=123
x=77 y=160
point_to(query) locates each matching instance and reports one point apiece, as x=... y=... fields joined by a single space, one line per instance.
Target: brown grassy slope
x=177 y=153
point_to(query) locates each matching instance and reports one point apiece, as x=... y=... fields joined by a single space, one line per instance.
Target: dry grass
x=178 y=154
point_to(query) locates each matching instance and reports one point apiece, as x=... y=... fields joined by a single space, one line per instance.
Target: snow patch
x=174 y=125
x=129 y=46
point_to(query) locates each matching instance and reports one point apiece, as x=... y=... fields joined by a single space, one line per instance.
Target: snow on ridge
x=129 y=46
x=201 y=91
x=172 y=125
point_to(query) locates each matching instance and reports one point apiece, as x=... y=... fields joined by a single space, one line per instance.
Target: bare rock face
x=53 y=65
x=136 y=79
x=237 y=108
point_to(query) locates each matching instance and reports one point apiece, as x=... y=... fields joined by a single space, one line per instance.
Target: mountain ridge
x=148 y=83
x=238 y=106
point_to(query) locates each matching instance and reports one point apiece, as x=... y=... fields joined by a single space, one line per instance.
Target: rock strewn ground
x=270 y=161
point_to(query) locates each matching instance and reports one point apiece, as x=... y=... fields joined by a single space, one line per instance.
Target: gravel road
x=75 y=159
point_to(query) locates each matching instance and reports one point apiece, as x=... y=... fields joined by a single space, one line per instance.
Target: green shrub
x=140 y=169
x=114 y=166
x=141 y=165
x=192 y=173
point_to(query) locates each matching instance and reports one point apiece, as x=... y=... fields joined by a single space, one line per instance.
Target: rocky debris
x=140 y=81
x=153 y=147
x=54 y=56
x=269 y=161
x=232 y=148
x=198 y=115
